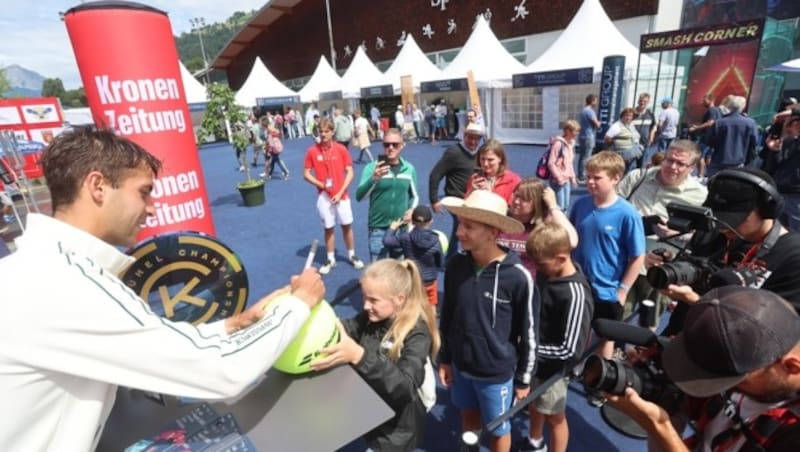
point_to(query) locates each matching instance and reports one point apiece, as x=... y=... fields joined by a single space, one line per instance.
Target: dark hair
x=590 y=98
x=74 y=154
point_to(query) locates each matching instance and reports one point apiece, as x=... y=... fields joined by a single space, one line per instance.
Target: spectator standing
x=611 y=248
x=456 y=166
x=588 y=122
x=274 y=149
x=361 y=131
x=391 y=184
x=489 y=318
x=494 y=174
x=624 y=139
x=668 y=121
x=257 y=138
x=430 y=122
x=562 y=172
x=733 y=137
x=311 y=113
x=787 y=170
x=645 y=123
x=702 y=133
x=329 y=169
x=343 y=128
x=419 y=121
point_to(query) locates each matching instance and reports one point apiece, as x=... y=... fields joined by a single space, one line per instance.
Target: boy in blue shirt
x=611 y=240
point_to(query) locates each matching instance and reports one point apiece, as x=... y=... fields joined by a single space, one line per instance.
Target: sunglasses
x=387 y=144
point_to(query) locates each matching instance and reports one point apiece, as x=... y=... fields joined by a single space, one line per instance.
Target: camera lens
x=682 y=273
x=609 y=376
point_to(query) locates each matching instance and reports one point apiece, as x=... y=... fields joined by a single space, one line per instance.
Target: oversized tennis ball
x=443 y=240
x=320 y=330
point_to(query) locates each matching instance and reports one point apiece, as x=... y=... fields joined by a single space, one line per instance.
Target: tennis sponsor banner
x=129 y=66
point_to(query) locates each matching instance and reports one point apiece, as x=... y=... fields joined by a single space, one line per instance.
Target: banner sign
x=726 y=33
x=581 y=76
x=330 y=95
x=195 y=107
x=610 y=99
x=263 y=101
x=443 y=86
x=34 y=122
x=377 y=91
x=129 y=67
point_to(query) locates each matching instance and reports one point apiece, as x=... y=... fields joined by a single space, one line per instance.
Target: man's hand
x=380 y=170
x=437 y=207
x=681 y=293
x=394 y=225
x=254 y=313
x=651 y=417
x=446 y=375
x=308 y=286
x=347 y=351
x=521 y=393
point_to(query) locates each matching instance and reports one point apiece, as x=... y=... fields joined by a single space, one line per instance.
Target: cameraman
x=739 y=400
x=749 y=243
x=786 y=171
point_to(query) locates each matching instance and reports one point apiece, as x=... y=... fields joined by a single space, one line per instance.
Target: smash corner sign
x=728 y=33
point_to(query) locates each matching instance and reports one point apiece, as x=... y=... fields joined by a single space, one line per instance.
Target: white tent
x=411 y=60
x=195 y=91
x=787 y=66
x=261 y=83
x=360 y=74
x=323 y=79
x=589 y=37
x=490 y=62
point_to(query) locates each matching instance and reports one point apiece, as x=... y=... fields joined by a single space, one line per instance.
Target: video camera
x=647 y=378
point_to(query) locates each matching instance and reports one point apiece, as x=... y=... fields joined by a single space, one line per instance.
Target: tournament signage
x=377 y=91
x=330 y=95
x=581 y=76
x=188 y=277
x=263 y=101
x=129 y=66
x=443 y=86
x=728 y=33
x=610 y=99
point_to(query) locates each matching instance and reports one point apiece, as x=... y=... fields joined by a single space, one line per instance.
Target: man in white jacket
x=71 y=331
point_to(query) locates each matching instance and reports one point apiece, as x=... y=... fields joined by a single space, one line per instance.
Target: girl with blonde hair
x=390 y=344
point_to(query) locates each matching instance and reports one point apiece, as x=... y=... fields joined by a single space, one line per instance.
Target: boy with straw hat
x=488 y=318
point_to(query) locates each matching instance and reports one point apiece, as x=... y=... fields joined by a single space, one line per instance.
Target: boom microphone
x=621 y=331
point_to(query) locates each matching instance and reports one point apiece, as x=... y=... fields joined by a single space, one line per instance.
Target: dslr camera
x=647 y=378
x=687 y=268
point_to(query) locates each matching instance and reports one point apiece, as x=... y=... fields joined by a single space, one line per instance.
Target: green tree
x=53 y=87
x=221 y=106
x=5 y=86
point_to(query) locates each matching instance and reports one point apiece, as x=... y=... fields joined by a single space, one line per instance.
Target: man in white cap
x=487 y=325
x=455 y=166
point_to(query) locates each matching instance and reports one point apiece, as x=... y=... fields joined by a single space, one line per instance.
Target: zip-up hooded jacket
x=489 y=319
x=395 y=382
x=565 y=321
x=419 y=244
x=391 y=196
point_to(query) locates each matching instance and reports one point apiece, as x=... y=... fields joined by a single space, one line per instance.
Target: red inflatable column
x=129 y=66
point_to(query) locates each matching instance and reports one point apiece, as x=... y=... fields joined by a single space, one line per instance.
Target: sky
x=35 y=38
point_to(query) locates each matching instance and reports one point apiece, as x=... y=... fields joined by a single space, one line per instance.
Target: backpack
x=542 y=170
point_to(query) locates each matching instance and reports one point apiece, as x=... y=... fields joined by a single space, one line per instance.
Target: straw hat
x=484 y=207
x=474 y=129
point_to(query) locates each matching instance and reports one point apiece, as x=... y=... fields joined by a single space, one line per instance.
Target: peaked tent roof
x=361 y=73
x=490 y=62
x=411 y=60
x=787 y=66
x=195 y=91
x=572 y=48
x=261 y=83
x=322 y=80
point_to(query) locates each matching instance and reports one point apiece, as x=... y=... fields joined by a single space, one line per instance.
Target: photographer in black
x=738 y=359
x=748 y=246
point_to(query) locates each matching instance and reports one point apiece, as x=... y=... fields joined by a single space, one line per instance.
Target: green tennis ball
x=320 y=330
x=443 y=240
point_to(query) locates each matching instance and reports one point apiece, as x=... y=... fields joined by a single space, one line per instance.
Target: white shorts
x=331 y=213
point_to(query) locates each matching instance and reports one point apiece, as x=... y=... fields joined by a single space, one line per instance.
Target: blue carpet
x=273 y=241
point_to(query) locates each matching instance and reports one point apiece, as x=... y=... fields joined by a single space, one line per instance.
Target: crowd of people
x=525 y=273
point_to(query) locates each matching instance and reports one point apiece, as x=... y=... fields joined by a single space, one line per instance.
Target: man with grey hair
x=733 y=137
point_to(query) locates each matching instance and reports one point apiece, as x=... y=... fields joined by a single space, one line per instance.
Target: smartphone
x=383 y=159
x=478 y=171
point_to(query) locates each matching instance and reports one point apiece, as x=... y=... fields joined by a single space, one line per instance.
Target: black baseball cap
x=421 y=214
x=732 y=198
x=730 y=332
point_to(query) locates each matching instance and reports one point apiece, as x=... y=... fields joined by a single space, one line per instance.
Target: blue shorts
x=491 y=399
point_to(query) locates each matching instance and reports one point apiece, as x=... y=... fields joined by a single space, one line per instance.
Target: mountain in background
x=215 y=36
x=23 y=82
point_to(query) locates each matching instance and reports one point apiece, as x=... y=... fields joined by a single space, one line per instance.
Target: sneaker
x=358 y=264
x=526 y=446
x=262 y=175
x=285 y=176
x=326 y=267
x=241 y=169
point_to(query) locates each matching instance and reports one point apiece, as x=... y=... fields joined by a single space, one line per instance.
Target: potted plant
x=223 y=118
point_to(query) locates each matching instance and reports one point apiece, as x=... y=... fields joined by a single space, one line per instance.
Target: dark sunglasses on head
x=387 y=144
